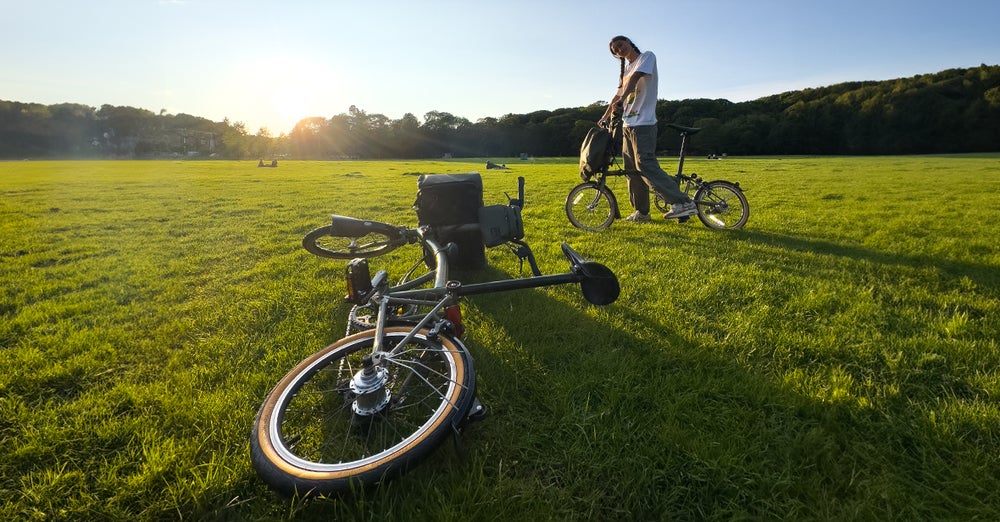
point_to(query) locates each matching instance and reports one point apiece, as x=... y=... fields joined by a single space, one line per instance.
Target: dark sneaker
x=638 y=217
x=679 y=210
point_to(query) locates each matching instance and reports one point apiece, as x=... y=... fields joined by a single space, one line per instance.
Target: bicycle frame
x=593 y=277
x=621 y=171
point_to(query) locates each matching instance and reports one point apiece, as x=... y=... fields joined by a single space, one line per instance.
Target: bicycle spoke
x=397 y=360
x=441 y=394
x=721 y=206
x=589 y=207
x=319 y=423
x=354 y=247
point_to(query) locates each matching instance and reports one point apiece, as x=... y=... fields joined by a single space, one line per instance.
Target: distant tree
x=440 y=131
x=955 y=110
x=404 y=133
x=234 y=141
x=309 y=138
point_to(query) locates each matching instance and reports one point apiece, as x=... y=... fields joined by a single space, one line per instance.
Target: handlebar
x=519 y=202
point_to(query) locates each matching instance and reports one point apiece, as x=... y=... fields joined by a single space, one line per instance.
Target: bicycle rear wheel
x=312 y=437
x=722 y=205
x=590 y=207
x=323 y=243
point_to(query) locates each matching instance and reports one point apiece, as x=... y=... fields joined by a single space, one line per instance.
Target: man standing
x=636 y=98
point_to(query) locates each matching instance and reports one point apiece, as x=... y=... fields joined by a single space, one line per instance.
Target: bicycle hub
x=369 y=385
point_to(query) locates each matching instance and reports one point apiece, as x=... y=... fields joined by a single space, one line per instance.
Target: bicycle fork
x=602 y=186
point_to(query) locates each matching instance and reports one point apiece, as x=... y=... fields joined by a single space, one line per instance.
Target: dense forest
x=953 y=111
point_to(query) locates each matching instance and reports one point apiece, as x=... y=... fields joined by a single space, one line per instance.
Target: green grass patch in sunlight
x=836 y=359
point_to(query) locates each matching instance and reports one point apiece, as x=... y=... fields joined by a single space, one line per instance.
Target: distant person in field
x=635 y=100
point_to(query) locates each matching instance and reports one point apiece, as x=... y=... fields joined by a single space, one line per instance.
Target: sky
x=270 y=64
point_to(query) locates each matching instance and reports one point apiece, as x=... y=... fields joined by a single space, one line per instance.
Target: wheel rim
x=589 y=208
x=722 y=207
x=314 y=429
x=364 y=246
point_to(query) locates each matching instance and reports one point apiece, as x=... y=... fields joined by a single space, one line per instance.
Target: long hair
x=621 y=75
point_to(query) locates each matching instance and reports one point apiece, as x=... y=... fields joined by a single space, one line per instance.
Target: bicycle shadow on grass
x=987 y=276
x=602 y=412
x=615 y=412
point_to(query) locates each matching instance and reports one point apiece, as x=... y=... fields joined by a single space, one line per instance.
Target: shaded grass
x=835 y=360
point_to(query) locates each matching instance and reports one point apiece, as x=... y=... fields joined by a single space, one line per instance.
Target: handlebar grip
x=343 y=226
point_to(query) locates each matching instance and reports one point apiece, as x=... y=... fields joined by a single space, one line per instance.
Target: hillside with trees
x=952 y=111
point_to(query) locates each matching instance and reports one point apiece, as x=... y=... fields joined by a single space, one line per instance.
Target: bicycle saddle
x=599 y=284
x=684 y=130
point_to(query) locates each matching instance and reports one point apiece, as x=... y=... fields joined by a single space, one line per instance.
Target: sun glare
x=293 y=89
x=292 y=102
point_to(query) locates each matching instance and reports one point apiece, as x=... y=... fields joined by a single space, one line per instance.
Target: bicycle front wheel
x=590 y=207
x=312 y=437
x=722 y=205
x=323 y=243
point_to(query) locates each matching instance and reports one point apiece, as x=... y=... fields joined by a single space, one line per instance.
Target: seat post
x=680 y=163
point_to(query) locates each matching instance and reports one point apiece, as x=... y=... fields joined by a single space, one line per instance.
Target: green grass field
x=834 y=360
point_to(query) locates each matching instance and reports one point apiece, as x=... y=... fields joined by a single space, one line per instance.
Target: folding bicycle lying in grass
x=378 y=400
x=591 y=205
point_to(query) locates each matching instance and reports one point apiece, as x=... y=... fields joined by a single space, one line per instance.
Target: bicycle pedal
x=477 y=412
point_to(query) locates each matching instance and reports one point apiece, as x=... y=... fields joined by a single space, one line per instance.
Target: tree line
x=952 y=111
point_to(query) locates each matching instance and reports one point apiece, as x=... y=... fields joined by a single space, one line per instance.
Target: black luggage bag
x=453 y=199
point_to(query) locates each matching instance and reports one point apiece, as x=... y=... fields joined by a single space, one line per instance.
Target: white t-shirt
x=640 y=106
